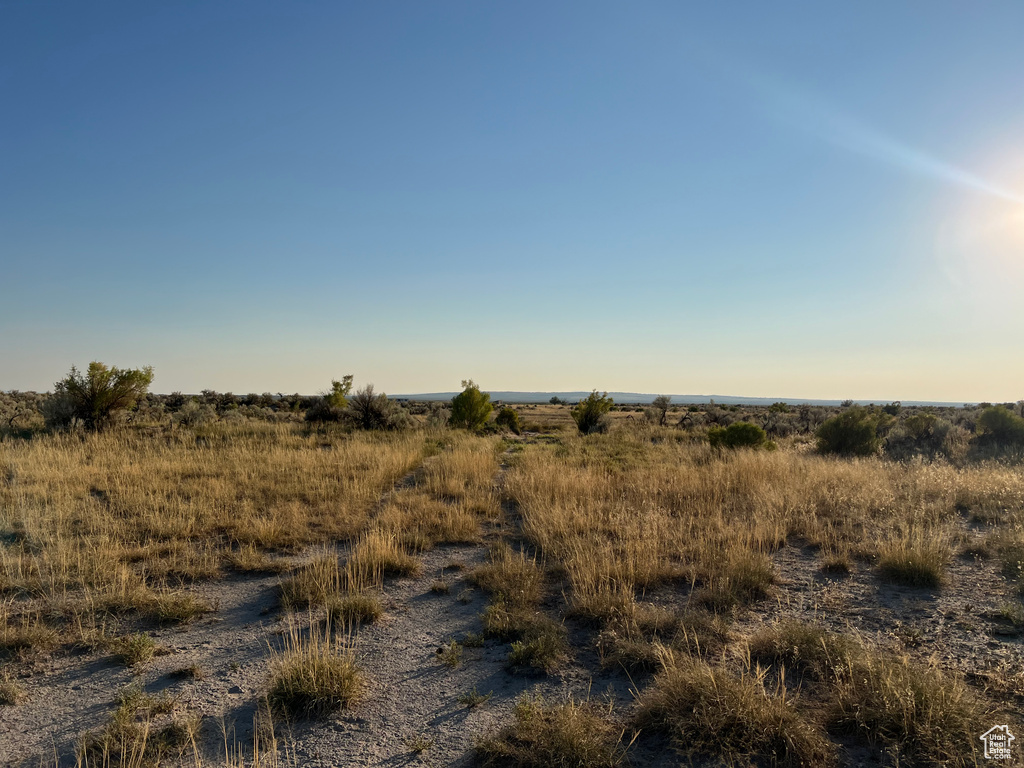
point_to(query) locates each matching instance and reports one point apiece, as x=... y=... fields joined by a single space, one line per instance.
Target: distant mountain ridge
x=639 y=398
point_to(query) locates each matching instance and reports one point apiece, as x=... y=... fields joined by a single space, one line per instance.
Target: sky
x=815 y=200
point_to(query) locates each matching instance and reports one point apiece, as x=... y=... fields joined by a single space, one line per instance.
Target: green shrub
x=97 y=397
x=471 y=408
x=509 y=419
x=741 y=434
x=589 y=414
x=998 y=427
x=856 y=431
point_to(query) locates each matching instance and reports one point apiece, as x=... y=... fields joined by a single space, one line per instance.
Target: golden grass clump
x=918 y=713
x=421 y=521
x=312 y=583
x=807 y=649
x=512 y=576
x=354 y=608
x=132 y=650
x=10 y=691
x=315 y=674
x=914 y=563
x=378 y=554
x=574 y=734
x=711 y=713
x=24 y=634
x=639 y=642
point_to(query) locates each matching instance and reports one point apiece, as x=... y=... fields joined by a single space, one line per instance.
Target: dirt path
x=412 y=699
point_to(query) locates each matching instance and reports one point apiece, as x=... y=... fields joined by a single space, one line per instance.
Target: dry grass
x=513 y=577
x=10 y=691
x=570 y=735
x=139 y=734
x=807 y=649
x=915 y=563
x=919 y=714
x=132 y=650
x=313 y=583
x=121 y=524
x=314 y=675
x=638 y=642
x=123 y=521
x=712 y=713
x=354 y=608
x=624 y=512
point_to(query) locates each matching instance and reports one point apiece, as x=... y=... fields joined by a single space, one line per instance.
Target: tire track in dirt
x=412 y=699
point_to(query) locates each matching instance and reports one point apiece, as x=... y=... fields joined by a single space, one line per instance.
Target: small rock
x=235 y=689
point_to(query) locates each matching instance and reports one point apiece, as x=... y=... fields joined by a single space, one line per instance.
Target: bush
x=741 y=434
x=438 y=415
x=192 y=414
x=97 y=397
x=857 y=431
x=509 y=419
x=369 y=410
x=471 y=408
x=330 y=407
x=923 y=434
x=1001 y=428
x=589 y=414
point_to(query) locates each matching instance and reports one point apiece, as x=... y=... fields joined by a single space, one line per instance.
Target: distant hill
x=639 y=398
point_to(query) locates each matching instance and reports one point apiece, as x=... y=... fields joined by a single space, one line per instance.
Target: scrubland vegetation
x=668 y=550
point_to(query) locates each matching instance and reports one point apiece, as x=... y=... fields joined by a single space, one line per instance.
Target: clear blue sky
x=774 y=199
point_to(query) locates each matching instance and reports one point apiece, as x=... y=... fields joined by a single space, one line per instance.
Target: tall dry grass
x=622 y=513
x=126 y=519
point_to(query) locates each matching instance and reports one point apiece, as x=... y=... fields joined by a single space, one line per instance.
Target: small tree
x=509 y=419
x=337 y=397
x=330 y=406
x=660 y=406
x=589 y=414
x=471 y=408
x=97 y=397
